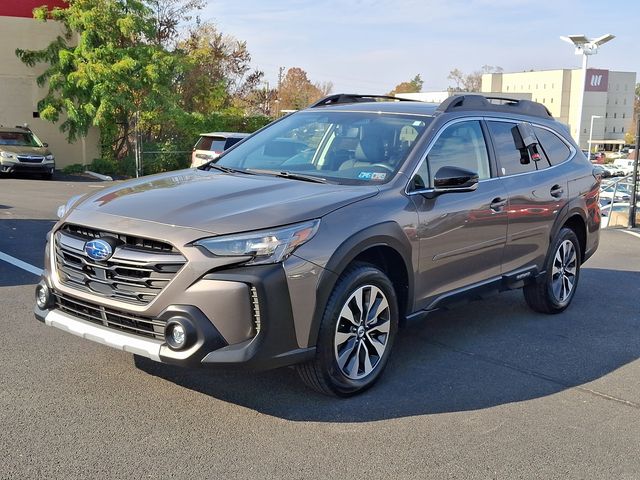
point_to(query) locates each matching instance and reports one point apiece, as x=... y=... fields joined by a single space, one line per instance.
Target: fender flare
x=388 y=234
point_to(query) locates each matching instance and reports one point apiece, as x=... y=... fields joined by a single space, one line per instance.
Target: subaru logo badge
x=99 y=249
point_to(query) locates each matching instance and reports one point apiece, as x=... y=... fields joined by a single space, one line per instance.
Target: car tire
x=352 y=351
x=554 y=291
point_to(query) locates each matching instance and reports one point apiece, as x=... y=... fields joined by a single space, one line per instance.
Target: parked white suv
x=211 y=145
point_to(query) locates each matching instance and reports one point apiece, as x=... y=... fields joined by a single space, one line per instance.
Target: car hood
x=222 y=203
x=22 y=150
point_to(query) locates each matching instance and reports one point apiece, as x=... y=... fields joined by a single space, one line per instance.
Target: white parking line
x=20 y=264
x=635 y=234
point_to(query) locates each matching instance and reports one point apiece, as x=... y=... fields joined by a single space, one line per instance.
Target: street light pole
x=585 y=47
x=634 y=182
x=591 y=132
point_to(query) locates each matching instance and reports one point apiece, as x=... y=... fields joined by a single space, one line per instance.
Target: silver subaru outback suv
x=309 y=242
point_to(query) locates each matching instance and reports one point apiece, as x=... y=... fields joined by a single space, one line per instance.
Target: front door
x=461 y=234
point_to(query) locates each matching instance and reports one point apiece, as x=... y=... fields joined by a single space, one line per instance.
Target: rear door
x=537 y=192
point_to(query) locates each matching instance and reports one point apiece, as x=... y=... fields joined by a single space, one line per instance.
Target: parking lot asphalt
x=485 y=390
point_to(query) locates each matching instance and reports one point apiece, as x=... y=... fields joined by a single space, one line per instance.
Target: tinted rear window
x=508 y=154
x=555 y=149
x=216 y=144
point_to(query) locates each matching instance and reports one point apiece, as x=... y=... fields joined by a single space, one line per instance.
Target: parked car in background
x=601 y=171
x=625 y=165
x=612 y=170
x=210 y=145
x=21 y=151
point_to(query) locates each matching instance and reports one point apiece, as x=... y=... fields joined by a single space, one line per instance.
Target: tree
x=412 y=86
x=105 y=70
x=297 y=91
x=470 y=82
x=217 y=70
x=169 y=15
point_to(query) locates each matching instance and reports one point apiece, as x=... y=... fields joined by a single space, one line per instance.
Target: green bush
x=73 y=169
x=105 y=166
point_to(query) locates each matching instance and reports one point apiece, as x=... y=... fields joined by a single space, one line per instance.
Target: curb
x=104 y=178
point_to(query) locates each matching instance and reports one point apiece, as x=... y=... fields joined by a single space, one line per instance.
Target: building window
x=622 y=130
x=544 y=100
x=614 y=129
x=606 y=115
x=544 y=86
x=553 y=85
x=624 y=102
x=615 y=115
x=605 y=129
x=624 y=115
x=507 y=88
x=585 y=130
x=551 y=100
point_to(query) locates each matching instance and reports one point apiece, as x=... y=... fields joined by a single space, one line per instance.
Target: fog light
x=180 y=334
x=42 y=296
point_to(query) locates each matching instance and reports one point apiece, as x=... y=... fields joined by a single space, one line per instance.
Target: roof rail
x=495 y=104
x=339 y=98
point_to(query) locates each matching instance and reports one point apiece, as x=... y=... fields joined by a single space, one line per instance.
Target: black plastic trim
x=276 y=344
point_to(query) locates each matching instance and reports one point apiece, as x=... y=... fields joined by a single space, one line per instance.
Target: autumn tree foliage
x=297 y=91
x=412 y=86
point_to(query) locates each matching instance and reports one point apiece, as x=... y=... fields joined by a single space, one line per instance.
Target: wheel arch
x=385 y=246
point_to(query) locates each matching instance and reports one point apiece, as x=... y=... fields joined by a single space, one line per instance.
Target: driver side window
x=460 y=145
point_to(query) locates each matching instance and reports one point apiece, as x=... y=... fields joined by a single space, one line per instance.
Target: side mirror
x=451 y=180
x=45 y=144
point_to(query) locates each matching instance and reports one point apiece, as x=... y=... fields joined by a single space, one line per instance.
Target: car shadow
x=476 y=356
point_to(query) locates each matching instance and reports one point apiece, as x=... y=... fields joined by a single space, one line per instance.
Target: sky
x=369 y=46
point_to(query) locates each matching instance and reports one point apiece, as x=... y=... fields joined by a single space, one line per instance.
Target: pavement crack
x=533 y=373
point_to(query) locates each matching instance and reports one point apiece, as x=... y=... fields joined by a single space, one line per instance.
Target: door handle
x=498 y=204
x=556 y=191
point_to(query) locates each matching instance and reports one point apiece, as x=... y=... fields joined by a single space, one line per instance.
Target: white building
x=607 y=94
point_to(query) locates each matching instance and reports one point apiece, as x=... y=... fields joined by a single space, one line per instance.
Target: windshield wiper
x=293 y=176
x=224 y=169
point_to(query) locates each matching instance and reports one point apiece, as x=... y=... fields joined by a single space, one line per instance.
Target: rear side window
x=555 y=149
x=511 y=160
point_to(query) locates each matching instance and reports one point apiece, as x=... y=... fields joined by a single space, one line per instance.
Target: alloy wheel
x=362 y=332
x=564 y=269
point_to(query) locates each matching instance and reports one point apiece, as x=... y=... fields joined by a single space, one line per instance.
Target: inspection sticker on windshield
x=372 y=176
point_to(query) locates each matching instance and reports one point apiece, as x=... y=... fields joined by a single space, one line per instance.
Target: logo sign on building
x=597 y=80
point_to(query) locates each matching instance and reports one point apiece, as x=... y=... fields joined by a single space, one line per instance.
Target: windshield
x=342 y=147
x=20 y=139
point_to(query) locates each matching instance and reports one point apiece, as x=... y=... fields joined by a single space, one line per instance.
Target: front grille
x=108 y=317
x=133 y=274
x=128 y=240
x=30 y=159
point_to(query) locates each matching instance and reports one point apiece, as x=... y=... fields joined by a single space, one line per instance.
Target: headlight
x=265 y=246
x=63 y=209
x=49 y=157
x=7 y=155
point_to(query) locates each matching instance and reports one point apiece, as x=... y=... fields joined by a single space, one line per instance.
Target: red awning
x=24 y=8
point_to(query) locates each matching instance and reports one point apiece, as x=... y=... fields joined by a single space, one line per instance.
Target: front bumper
x=11 y=166
x=272 y=343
